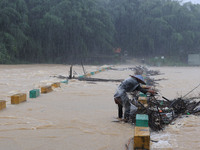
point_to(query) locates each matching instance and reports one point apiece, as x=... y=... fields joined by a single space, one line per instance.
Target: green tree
x=13 y=28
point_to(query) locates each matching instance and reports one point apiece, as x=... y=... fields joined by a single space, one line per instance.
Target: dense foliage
x=67 y=31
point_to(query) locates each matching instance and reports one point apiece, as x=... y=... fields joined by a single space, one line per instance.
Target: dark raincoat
x=128 y=85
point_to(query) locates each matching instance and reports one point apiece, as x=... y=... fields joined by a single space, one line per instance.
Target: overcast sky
x=193 y=1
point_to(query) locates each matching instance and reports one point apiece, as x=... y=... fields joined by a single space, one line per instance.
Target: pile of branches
x=153 y=72
x=144 y=70
x=163 y=112
x=139 y=70
x=150 y=81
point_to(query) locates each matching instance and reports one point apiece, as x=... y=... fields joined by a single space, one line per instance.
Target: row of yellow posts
x=142 y=130
x=93 y=73
x=22 y=97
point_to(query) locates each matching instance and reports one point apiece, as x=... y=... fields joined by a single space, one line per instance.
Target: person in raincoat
x=130 y=84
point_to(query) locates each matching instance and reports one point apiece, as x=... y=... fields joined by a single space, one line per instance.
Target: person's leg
x=120 y=111
x=126 y=104
x=120 y=107
x=127 y=110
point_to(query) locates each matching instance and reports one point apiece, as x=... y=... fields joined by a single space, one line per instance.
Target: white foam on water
x=163 y=140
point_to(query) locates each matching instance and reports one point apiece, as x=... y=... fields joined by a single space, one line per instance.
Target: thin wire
x=191 y=90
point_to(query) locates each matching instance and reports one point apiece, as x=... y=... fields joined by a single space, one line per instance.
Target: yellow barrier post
x=18 y=98
x=2 y=104
x=88 y=75
x=141 y=138
x=46 y=89
x=142 y=100
x=55 y=85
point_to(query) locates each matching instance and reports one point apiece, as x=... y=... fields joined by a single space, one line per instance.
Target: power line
x=191 y=90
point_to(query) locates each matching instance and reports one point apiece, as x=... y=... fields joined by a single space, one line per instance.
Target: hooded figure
x=130 y=84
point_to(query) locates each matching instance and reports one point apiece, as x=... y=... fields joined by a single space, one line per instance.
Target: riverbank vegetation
x=71 y=31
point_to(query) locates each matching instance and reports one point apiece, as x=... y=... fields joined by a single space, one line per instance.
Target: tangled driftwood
x=163 y=112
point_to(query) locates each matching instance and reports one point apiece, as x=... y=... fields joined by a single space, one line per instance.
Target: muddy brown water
x=80 y=115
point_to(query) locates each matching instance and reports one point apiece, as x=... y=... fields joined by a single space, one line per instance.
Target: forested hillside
x=68 y=31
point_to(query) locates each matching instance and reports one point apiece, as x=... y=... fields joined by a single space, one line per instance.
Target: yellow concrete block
x=145 y=86
x=142 y=100
x=46 y=89
x=141 y=138
x=18 y=98
x=88 y=75
x=2 y=104
x=55 y=85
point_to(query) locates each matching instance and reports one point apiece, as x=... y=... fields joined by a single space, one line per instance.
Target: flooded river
x=80 y=114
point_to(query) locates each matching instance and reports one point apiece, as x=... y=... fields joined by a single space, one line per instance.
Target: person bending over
x=130 y=84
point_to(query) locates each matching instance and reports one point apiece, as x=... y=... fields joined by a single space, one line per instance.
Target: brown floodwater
x=80 y=114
